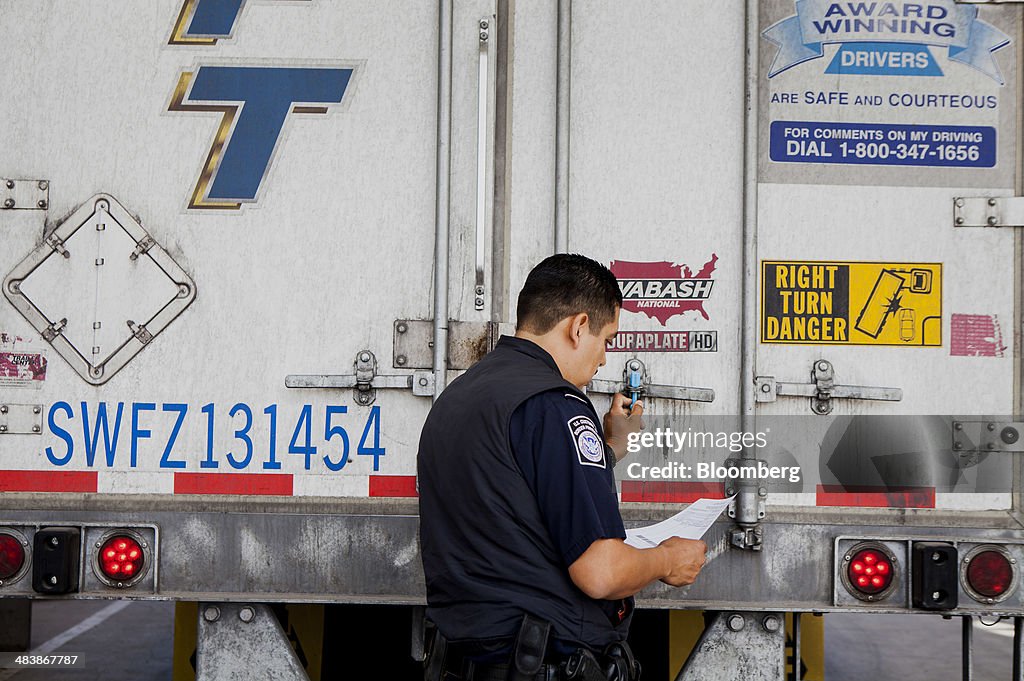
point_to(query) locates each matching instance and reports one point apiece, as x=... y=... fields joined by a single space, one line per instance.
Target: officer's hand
x=686 y=558
x=619 y=422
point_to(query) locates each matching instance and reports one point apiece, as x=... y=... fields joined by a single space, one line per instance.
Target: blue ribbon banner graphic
x=941 y=23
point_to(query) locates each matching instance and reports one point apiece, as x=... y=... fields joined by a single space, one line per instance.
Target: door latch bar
x=636 y=384
x=823 y=390
x=365 y=381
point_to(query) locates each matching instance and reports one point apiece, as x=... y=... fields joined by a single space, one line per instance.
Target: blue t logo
x=255 y=103
x=203 y=22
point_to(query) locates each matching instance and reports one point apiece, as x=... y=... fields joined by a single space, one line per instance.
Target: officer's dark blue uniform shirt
x=560 y=449
x=515 y=484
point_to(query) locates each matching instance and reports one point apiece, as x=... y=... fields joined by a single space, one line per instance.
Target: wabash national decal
x=662 y=290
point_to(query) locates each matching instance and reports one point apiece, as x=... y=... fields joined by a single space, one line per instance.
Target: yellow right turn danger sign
x=851 y=303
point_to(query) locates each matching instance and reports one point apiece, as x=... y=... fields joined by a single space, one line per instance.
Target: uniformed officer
x=520 y=531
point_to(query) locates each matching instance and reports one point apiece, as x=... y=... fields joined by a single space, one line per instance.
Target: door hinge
x=823 y=390
x=365 y=381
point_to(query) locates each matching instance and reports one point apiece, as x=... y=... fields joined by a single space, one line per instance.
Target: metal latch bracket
x=988 y=211
x=636 y=384
x=365 y=381
x=823 y=390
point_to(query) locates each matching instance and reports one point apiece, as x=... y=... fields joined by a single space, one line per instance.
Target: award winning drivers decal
x=922 y=93
x=661 y=291
x=589 y=448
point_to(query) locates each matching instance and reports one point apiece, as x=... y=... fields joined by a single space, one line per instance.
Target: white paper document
x=690 y=523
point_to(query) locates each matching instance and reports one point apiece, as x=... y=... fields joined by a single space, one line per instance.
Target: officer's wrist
x=610 y=456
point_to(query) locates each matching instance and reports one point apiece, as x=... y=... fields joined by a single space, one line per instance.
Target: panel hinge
x=140 y=332
x=54 y=330
x=57 y=244
x=142 y=247
x=988 y=211
x=636 y=384
x=365 y=381
x=823 y=389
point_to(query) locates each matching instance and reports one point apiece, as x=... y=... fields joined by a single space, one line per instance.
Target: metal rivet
x=36 y=409
x=247 y=614
x=54 y=541
x=401 y=360
x=992 y=202
x=762 y=491
x=936 y=595
x=401 y=328
x=10 y=184
x=3 y=429
x=958 y=446
x=483 y=36
x=959 y=203
x=3 y=409
x=35 y=429
x=992 y=220
x=41 y=203
x=765 y=388
x=958 y=426
x=823 y=366
x=936 y=557
x=484 y=23
x=9 y=203
x=53 y=579
x=211 y=614
x=770 y=623
x=423 y=381
x=991 y=445
x=364 y=357
x=43 y=185
x=145 y=545
x=959 y=221
x=735 y=622
x=991 y=427
x=729 y=491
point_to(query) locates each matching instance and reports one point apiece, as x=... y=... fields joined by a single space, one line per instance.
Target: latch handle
x=636 y=386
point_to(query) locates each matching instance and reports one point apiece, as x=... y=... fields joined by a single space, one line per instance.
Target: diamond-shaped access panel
x=99 y=288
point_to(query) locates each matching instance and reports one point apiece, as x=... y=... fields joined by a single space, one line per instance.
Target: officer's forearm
x=610 y=569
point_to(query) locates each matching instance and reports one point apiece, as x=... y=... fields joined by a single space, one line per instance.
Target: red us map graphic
x=662 y=290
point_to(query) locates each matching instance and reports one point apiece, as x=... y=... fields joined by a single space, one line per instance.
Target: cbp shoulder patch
x=589 y=448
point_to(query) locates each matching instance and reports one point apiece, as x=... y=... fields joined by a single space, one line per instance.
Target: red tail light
x=989 y=574
x=869 y=571
x=121 y=558
x=12 y=556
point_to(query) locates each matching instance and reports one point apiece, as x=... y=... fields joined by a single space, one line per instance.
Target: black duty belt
x=499 y=672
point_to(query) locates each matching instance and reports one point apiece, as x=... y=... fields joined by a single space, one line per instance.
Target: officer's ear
x=579 y=324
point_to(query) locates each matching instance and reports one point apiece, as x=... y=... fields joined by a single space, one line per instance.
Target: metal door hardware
x=468 y=342
x=636 y=382
x=823 y=389
x=92 y=296
x=988 y=436
x=24 y=194
x=21 y=419
x=988 y=211
x=366 y=381
x=481 y=162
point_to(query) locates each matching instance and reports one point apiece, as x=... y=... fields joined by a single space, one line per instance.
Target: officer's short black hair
x=563 y=285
